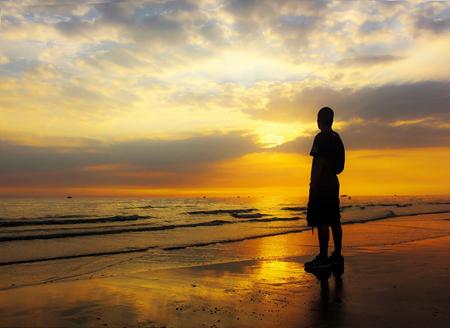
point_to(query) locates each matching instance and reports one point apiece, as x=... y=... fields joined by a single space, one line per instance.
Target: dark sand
x=397 y=274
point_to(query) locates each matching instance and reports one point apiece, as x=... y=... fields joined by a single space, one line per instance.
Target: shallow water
x=35 y=230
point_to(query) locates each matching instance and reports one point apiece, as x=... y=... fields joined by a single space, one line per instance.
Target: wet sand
x=397 y=274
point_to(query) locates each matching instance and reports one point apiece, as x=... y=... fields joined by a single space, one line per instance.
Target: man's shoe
x=337 y=262
x=318 y=264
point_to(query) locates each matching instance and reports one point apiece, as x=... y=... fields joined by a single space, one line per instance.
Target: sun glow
x=273 y=134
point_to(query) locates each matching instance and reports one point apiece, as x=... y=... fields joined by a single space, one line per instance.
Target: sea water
x=89 y=233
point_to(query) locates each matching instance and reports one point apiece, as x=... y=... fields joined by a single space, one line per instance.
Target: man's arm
x=317 y=171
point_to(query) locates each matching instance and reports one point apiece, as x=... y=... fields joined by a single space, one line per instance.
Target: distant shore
x=397 y=274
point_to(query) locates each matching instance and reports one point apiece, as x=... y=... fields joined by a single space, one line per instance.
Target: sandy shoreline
x=397 y=274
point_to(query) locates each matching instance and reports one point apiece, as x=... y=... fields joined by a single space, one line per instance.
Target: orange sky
x=211 y=97
x=413 y=172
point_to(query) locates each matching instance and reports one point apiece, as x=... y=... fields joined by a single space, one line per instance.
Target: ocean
x=69 y=237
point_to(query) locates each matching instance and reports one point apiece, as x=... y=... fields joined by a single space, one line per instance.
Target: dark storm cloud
x=385 y=103
x=163 y=155
x=378 y=135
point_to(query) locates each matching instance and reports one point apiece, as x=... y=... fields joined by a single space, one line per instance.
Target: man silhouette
x=323 y=205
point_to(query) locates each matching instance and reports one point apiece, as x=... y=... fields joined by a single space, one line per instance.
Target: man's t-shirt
x=329 y=147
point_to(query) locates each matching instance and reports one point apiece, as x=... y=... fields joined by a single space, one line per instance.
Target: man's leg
x=321 y=262
x=337 y=238
x=324 y=235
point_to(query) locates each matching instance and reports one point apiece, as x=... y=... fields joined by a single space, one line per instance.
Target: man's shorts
x=323 y=209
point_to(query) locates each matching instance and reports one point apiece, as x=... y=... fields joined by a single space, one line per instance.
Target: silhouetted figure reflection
x=323 y=277
x=324 y=285
x=323 y=204
x=328 y=309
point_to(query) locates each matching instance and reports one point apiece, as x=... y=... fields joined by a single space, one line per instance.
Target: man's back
x=329 y=157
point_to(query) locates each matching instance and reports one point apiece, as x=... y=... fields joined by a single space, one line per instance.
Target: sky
x=215 y=97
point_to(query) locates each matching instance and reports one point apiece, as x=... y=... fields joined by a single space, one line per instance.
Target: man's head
x=325 y=118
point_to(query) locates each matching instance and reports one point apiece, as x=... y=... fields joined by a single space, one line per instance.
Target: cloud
x=433 y=17
x=74 y=26
x=140 y=22
x=160 y=155
x=127 y=69
x=163 y=154
x=4 y=60
x=214 y=32
x=441 y=25
x=146 y=162
x=119 y=56
x=181 y=162
x=369 y=60
x=296 y=23
x=242 y=9
x=385 y=103
x=160 y=29
x=284 y=23
x=10 y=21
x=379 y=135
x=119 y=13
x=371 y=26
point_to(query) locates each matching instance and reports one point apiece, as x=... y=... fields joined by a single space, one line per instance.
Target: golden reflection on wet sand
x=242 y=293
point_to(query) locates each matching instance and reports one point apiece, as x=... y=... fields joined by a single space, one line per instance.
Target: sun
x=272 y=134
x=271 y=140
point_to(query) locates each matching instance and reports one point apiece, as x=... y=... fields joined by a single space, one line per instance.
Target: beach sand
x=397 y=274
